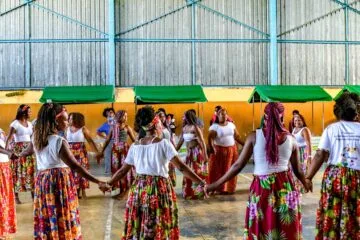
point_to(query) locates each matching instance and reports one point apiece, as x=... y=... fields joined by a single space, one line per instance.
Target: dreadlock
x=46 y=124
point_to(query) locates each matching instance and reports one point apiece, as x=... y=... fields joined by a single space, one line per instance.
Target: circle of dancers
x=49 y=159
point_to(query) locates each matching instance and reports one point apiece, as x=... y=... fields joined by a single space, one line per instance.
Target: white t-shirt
x=152 y=159
x=77 y=136
x=22 y=134
x=3 y=157
x=342 y=140
x=225 y=134
x=49 y=157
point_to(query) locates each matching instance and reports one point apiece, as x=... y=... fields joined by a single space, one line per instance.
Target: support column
x=273 y=42
x=347 y=65
x=112 y=47
x=193 y=46
x=27 y=46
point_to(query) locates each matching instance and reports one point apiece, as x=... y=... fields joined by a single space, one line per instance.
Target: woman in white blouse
x=338 y=215
x=151 y=209
x=23 y=171
x=224 y=152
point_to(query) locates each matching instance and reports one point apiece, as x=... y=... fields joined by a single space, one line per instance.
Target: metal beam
x=347 y=67
x=15 y=8
x=333 y=42
x=18 y=41
x=188 y=4
x=189 y=40
x=273 y=68
x=112 y=48
x=27 y=35
x=346 y=5
x=68 y=18
x=233 y=20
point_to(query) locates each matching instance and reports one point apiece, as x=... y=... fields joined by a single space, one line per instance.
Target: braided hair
x=46 y=124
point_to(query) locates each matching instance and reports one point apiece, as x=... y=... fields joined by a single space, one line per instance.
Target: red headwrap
x=274 y=127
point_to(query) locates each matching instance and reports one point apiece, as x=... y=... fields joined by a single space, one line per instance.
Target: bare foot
x=17 y=200
x=83 y=193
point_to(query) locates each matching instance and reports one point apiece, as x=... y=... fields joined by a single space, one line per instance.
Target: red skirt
x=220 y=163
x=273 y=210
x=119 y=153
x=7 y=201
x=78 y=149
x=23 y=169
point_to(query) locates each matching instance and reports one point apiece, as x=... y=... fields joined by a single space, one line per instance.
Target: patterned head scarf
x=274 y=127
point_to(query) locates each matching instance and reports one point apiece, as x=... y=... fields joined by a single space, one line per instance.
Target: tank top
x=77 y=136
x=188 y=137
x=262 y=166
x=299 y=138
x=119 y=135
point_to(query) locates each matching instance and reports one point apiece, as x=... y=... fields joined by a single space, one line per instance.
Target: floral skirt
x=151 y=210
x=220 y=163
x=303 y=166
x=172 y=174
x=23 y=169
x=338 y=215
x=196 y=161
x=273 y=210
x=78 y=149
x=56 y=207
x=119 y=153
x=7 y=201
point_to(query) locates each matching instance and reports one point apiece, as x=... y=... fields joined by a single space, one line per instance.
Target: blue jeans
x=107 y=157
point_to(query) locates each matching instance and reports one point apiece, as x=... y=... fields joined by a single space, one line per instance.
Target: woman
x=166 y=133
x=103 y=132
x=56 y=208
x=151 y=209
x=339 y=206
x=273 y=209
x=119 y=135
x=221 y=141
x=7 y=197
x=76 y=135
x=196 y=158
x=302 y=135
x=23 y=172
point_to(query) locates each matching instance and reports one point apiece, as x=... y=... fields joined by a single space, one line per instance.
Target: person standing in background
x=103 y=131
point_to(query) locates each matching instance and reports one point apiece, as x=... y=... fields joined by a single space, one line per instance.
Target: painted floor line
x=109 y=220
x=244 y=176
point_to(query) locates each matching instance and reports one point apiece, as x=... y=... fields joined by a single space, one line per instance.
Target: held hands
x=308 y=185
x=104 y=187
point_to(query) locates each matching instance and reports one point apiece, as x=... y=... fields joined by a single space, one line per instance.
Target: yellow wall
x=241 y=112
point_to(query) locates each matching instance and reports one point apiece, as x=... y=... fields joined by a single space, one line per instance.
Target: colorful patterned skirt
x=196 y=161
x=78 y=149
x=56 y=207
x=119 y=153
x=151 y=209
x=273 y=210
x=172 y=174
x=220 y=163
x=23 y=169
x=338 y=215
x=7 y=201
x=303 y=166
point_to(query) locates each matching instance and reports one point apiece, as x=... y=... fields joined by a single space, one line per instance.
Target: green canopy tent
x=288 y=94
x=169 y=95
x=78 y=94
x=349 y=88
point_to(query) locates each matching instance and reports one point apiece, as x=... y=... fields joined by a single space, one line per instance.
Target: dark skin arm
x=89 y=139
x=320 y=157
x=130 y=133
x=28 y=151
x=120 y=173
x=201 y=140
x=69 y=159
x=306 y=134
x=212 y=135
x=180 y=143
x=186 y=170
x=238 y=165
x=10 y=137
x=4 y=151
x=237 y=137
x=295 y=160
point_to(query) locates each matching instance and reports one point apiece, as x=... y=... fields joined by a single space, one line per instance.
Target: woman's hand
x=210 y=188
x=104 y=187
x=308 y=185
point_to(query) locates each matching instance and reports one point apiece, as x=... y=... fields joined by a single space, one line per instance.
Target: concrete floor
x=220 y=217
